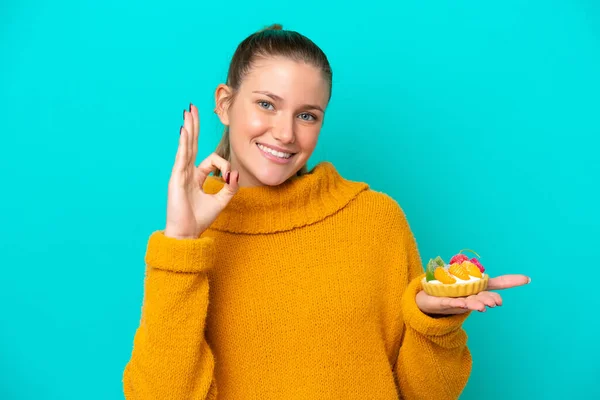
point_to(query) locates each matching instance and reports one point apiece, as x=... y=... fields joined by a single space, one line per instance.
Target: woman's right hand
x=190 y=211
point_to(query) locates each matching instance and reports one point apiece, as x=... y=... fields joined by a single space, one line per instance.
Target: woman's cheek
x=257 y=121
x=308 y=137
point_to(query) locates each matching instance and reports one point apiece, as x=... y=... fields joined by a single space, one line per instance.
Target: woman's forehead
x=287 y=79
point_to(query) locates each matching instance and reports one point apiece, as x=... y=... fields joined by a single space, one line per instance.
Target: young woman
x=273 y=282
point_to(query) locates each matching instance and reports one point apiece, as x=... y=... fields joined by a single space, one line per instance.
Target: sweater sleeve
x=171 y=358
x=434 y=361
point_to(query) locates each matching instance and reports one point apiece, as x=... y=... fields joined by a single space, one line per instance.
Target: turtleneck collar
x=300 y=201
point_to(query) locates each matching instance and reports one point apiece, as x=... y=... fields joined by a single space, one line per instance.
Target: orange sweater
x=301 y=291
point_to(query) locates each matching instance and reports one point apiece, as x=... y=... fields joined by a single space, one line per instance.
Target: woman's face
x=274 y=120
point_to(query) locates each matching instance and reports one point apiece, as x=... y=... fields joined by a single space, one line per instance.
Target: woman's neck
x=299 y=201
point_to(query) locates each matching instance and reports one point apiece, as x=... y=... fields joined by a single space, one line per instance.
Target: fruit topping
x=429 y=273
x=478 y=264
x=438 y=260
x=459 y=271
x=457 y=259
x=443 y=276
x=472 y=269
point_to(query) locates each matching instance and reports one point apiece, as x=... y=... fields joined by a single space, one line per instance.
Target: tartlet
x=461 y=277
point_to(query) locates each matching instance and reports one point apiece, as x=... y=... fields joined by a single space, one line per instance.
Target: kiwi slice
x=429 y=273
x=438 y=260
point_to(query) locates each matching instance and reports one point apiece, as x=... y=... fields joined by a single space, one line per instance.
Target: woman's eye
x=307 y=117
x=265 y=104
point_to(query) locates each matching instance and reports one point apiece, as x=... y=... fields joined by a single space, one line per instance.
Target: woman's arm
x=171 y=358
x=434 y=361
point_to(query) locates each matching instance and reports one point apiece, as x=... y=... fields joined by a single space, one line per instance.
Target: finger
x=507 y=281
x=497 y=298
x=225 y=195
x=181 y=156
x=475 y=304
x=210 y=164
x=195 y=129
x=487 y=299
x=188 y=125
x=450 y=303
x=454 y=311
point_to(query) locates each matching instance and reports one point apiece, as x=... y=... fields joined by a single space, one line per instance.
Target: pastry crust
x=455 y=289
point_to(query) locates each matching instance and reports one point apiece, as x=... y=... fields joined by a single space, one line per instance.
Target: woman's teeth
x=274 y=152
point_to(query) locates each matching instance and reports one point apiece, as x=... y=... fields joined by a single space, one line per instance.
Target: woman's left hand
x=436 y=306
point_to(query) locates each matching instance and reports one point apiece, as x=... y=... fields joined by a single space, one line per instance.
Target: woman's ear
x=223 y=96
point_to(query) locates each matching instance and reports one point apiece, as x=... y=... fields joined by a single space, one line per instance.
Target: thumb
x=229 y=189
x=507 y=281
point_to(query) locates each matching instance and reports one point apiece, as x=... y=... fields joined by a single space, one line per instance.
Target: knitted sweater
x=301 y=291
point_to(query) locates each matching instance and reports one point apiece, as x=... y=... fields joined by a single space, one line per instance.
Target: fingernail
x=529 y=281
x=227 y=176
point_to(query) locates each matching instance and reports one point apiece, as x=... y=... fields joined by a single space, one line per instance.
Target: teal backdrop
x=480 y=118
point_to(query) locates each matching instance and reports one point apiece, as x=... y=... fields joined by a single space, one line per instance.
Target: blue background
x=480 y=118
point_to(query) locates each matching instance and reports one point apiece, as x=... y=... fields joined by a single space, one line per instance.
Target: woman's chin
x=273 y=178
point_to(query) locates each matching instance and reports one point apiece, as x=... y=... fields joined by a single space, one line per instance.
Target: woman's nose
x=283 y=131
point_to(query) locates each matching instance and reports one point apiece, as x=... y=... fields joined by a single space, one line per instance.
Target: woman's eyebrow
x=278 y=98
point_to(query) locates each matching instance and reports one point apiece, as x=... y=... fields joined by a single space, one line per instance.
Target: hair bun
x=273 y=27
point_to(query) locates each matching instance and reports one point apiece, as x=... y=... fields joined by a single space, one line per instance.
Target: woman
x=273 y=282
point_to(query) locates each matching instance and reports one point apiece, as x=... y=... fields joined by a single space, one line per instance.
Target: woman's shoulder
x=382 y=208
x=376 y=206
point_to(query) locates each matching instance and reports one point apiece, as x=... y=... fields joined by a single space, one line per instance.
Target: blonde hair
x=271 y=41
